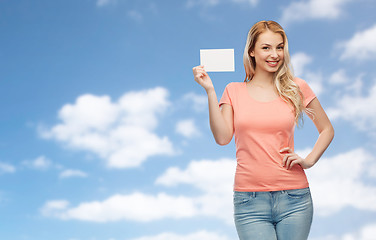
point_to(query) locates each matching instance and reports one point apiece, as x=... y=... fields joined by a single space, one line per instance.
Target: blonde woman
x=272 y=198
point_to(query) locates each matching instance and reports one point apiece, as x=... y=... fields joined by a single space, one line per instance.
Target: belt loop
x=253 y=194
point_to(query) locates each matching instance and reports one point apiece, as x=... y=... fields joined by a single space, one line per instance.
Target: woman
x=272 y=198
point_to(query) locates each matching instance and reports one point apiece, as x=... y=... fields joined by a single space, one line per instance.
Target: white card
x=217 y=60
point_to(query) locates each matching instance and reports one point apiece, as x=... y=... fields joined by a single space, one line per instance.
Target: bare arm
x=325 y=129
x=221 y=119
x=326 y=134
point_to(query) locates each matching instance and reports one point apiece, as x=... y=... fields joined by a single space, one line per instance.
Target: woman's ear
x=252 y=54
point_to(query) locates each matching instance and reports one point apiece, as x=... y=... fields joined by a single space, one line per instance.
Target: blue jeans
x=282 y=215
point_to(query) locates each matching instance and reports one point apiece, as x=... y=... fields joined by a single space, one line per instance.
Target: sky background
x=105 y=135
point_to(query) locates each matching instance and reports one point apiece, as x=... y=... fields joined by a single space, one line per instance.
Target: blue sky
x=105 y=134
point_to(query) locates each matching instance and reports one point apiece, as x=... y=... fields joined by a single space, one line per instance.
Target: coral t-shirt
x=261 y=129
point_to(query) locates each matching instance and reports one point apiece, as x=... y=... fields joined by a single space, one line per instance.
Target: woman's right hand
x=221 y=119
x=202 y=78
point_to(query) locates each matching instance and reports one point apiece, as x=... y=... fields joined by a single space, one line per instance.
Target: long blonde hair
x=283 y=77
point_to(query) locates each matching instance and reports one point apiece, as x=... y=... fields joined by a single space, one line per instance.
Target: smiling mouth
x=272 y=63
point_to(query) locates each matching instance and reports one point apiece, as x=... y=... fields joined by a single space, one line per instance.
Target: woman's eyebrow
x=268 y=44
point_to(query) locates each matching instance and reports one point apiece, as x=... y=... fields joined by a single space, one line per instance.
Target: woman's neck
x=263 y=78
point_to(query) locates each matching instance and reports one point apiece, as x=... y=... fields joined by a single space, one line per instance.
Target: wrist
x=210 y=90
x=307 y=164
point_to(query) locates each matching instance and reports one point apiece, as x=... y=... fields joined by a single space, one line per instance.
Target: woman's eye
x=265 y=48
x=280 y=47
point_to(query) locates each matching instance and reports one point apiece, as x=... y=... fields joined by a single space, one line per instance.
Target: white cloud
x=330 y=192
x=51 y=208
x=120 y=132
x=214 y=178
x=200 y=235
x=68 y=173
x=136 y=207
x=357 y=109
x=361 y=46
x=6 y=168
x=40 y=163
x=300 y=61
x=187 y=128
x=356 y=86
x=198 y=102
x=333 y=178
x=315 y=80
x=206 y=175
x=368 y=232
x=339 y=77
x=346 y=84
x=313 y=9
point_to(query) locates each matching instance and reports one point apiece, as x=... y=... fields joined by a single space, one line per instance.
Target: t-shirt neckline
x=255 y=100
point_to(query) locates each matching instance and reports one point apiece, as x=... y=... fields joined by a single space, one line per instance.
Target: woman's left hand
x=291 y=158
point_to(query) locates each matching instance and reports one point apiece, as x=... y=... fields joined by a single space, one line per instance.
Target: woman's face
x=268 y=52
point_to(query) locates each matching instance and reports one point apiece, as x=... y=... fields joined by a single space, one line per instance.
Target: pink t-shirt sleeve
x=308 y=94
x=226 y=98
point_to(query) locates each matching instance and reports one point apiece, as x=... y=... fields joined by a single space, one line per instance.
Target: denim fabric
x=278 y=215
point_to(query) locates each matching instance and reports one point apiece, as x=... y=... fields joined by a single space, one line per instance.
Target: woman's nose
x=274 y=54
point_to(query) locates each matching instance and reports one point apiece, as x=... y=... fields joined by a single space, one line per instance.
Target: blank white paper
x=217 y=60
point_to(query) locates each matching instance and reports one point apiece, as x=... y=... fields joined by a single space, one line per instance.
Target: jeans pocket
x=241 y=198
x=298 y=193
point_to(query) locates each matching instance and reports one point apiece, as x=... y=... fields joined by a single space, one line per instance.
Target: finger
x=199 y=66
x=285 y=158
x=200 y=70
x=198 y=78
x=197 y=69
x=294 y=162
x=286 y=149
x=284 y=161
x=289 y=160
